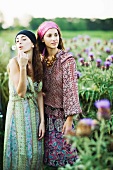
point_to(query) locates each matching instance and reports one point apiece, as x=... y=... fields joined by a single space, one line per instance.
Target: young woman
x=24 y=127
x=61 y=100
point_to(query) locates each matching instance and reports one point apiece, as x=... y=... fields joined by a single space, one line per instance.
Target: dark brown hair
x=37 y=65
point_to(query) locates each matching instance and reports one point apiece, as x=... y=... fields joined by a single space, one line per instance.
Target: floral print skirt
x=56 y=150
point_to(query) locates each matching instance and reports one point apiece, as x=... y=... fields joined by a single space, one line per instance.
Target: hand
x=67 y=128
x=41 y=130
x=22 y=59
x=67 y=125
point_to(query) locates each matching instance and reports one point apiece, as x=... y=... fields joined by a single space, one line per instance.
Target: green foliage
x=94 y=83
x=4 y=58
x=96 y=151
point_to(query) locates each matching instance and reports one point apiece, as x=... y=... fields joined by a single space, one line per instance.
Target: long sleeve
x=71 y=102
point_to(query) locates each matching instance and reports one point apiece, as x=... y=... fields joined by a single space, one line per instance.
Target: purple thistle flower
x=79 y=55
x=111 y=58
x=68 y=49
x=87 y=121
x=104 y=103
x=79 y=74
x=98 y=41
x=107 y=50
x=91 y=56
x=98 y=62
x=107 y=64
x=111 y=41
x=87 y=37
x=86 y=50
x=85 y=126
x=75 y=39
x=103 y=107
x=81 y=60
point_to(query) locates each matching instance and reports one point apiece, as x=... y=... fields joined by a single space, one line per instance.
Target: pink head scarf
x=45 y=26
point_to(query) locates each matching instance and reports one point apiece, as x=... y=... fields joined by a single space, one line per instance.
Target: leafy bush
x=93 y=140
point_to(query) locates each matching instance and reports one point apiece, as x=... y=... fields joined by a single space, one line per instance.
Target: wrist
x=22 y=67
x=42 y=122
x=70 y=118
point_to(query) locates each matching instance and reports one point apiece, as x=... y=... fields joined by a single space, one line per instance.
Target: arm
x=17 y=73
x=41 y=111
x=71 y=102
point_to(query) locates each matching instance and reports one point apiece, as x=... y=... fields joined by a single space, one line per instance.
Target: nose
x=20 y=41
x=53 y=37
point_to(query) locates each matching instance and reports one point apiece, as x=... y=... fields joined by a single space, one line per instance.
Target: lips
x=20 y=47
x=54 y=43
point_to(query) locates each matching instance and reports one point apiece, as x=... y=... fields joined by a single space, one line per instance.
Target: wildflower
x=79 y=55
x=103 y=107
x=111 y=41
x=75 y=39
x=107 y=50
x=98 y=41
x=107 y=64
x=110 y=57
x=78 y=74
x=86 y=50
x=85 y=127
x=81 y=60
x=87 y=37
x=98 y=62
x=91 y=56
x=68 y=49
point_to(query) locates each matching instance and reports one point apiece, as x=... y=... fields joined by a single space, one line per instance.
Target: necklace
x=49 y=62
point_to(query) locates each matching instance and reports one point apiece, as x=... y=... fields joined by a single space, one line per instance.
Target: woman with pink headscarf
x=61 y=99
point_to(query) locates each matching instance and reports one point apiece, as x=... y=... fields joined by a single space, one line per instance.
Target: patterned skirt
x=56 y=150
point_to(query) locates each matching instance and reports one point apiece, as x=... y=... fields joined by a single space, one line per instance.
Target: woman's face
x=24 y=43
x=51 y=38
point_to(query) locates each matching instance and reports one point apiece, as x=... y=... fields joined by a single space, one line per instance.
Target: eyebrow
x=21 y=36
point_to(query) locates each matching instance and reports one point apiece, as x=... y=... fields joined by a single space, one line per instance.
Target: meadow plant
x=94 y=141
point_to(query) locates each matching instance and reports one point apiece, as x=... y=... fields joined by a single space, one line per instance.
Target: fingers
x=22 y=54
x=41 y=134
x=63 y=129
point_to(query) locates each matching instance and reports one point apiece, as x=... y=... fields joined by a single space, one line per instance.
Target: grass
x=106 y=35
x=9 y=36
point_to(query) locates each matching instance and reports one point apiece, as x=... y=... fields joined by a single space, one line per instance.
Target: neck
x=52 y=52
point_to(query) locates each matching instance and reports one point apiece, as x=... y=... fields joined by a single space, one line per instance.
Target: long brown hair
x=37 y=65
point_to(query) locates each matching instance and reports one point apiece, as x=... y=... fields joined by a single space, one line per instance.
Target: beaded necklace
x=49 y=62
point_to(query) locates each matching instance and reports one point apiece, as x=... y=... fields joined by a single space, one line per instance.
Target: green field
x=8 y=36
x=106 y=35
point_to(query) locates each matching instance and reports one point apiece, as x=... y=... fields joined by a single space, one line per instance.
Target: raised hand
x=22 y=59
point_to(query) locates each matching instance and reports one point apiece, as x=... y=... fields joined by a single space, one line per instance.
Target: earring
x=32 y=46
